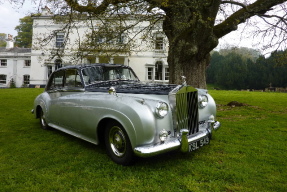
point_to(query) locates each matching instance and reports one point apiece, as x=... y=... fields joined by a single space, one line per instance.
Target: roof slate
x=15 y=50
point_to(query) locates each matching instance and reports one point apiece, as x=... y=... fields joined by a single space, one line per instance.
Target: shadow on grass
x=65 y=139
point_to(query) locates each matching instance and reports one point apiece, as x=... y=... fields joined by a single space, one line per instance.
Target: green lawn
x=248 y=153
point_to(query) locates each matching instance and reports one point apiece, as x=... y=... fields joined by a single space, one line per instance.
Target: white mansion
x=15 y=65
x=33 y=66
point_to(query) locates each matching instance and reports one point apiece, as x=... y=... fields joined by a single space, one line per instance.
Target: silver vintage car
x=106 y=103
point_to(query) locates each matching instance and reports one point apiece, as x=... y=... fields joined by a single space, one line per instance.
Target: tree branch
x=234 y=3
x=94 y=9
x=260 y=7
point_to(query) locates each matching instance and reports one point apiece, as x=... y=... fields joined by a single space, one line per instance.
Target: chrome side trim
x=80 y=136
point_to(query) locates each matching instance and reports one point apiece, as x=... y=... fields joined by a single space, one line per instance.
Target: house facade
x=55 y=45
x=15 y=65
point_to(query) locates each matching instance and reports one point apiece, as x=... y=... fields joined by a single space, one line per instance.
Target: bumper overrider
x=186 y=143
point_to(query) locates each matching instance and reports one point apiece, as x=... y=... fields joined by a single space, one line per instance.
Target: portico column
x=127 y=61
x=112 y=60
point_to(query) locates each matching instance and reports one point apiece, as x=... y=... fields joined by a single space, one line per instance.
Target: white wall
x=15 y=67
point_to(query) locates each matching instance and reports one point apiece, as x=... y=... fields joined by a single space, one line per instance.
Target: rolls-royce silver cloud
x=106 y=103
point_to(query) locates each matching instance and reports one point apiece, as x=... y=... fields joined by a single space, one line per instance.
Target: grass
x=247 y=153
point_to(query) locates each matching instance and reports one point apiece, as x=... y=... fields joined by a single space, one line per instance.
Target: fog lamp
x=163 y=134
x=211 y=119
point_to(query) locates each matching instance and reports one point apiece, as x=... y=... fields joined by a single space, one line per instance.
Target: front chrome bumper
x=175 y=143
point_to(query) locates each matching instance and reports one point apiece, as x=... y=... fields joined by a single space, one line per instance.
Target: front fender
x=146 y=125
x=40 y=102
x=136 y=117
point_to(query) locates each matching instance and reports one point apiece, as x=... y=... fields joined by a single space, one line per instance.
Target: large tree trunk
x=187 y=65
x=189 y=29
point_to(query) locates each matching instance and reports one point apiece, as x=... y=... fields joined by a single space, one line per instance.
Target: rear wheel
x=43 y=122
x=118 y=144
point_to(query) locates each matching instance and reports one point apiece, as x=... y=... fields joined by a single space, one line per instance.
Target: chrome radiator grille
x=187 y=109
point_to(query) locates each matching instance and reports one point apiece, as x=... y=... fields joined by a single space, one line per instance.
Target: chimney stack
x=9 y=42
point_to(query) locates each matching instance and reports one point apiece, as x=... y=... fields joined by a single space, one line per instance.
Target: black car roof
x=82 y=66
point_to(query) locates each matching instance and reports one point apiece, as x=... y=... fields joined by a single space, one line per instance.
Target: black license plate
x=199 y=143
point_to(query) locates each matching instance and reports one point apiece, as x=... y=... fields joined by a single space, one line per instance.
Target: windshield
x=107 y=73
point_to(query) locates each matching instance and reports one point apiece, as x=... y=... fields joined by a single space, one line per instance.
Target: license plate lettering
x=193 y=146
x=197 y=144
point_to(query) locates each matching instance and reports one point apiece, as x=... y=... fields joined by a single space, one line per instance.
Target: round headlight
x=161 y=109
x=202 y=101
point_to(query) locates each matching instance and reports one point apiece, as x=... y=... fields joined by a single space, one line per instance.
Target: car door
x=69 y=102
x=54 y=90
x=63 y=88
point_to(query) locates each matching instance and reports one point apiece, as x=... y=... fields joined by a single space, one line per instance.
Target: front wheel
x=118 y=144
x=43 y=122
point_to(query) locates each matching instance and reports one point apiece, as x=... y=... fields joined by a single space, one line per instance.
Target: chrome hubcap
x=43 y=119
x=117 y=141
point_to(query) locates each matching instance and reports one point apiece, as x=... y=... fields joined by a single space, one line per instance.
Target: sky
x=10 y=15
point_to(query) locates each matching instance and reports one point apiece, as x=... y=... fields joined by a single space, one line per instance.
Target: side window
x=60 y=40
x=150 y=73
x=72 y=79
x=86 y=76
x=3 y=62
x=26 y=79
x=58 y=64
x=158 y=70
x=27 y=63
x=56 y=81
x=3 y=79
x=159 y=43
x=92 y=74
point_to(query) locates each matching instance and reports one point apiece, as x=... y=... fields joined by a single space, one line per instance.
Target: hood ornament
x=183 y=80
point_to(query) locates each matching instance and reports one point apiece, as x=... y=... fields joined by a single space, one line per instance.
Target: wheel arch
x=138 y=124
x=101 y=129
x=126 y=125
x=38 y=111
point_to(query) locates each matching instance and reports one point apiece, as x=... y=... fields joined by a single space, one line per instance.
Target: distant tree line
x=236 y=71
x=2 y=40
x=24 y=37
x=24 y=29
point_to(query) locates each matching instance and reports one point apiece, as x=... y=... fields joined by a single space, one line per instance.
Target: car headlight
x=161 y=109
x=202 y=101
